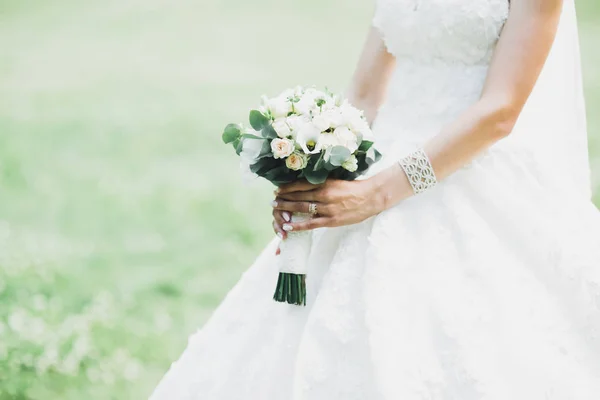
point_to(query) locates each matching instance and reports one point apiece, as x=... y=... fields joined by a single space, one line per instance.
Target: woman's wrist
x=390 y=187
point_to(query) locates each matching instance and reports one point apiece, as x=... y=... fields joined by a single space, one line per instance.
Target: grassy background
x=122 y=222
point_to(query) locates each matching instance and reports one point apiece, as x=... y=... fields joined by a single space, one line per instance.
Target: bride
x=467 y=264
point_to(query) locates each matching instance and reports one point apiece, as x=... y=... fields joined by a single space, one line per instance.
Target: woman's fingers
x=299 y=186
x=291 y=206
x=312 y=223
x=278 y=229
x=280 y=218
x=300 y=207
x=311 y=195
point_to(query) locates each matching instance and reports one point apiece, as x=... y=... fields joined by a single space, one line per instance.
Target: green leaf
x=268 y=132
x=238 y=146
x=231 y=133
x=320 y=164
x=330 y=167
x=365 y=145
x=251 y=136
x=265 y=150
x=376 y=156
x=316 y=177
x=258 y=120
x=263 y=165
x=339 y=154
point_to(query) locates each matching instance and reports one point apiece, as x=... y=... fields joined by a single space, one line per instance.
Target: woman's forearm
x=457 y=144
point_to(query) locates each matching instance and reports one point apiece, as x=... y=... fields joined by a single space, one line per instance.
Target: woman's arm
x=366 y=92
x=518 y=60
x=370 y=81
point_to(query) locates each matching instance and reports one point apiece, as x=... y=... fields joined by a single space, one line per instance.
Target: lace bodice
x=452 y=31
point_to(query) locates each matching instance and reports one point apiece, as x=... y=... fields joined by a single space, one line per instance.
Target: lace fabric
x=486 y=287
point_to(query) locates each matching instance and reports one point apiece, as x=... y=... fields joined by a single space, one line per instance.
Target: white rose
x=282 y=128
x=308 y=138
x=296 y=161
x=351 y=164
x=251 y=149
x=346 y=138
x=282 y=147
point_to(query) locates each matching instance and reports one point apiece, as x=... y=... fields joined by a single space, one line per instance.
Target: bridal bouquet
x=307 y=134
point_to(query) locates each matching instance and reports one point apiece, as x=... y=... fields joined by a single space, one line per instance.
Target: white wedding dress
x=485 y=287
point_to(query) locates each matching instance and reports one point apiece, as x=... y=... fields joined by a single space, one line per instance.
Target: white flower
x=282 y=128
x=282 y=147
x=279 y=107
x=321 y=122
x=327 y=140
x=296 y=122
x=346 y=138
x=308 y=137
x=296 y=161
x=333 y=117
x=251 y=149
x=305 y=105
x=351 y=164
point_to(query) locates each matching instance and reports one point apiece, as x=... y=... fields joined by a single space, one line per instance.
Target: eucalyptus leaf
x=251 y=136
x=338 y=155
x=268 y=132
x=265 y=150
x=263 y=165
x=238 y=145
x=330 y=167
x=320 y=164
x=258 y=120
x=316 y=177
x=231 y=133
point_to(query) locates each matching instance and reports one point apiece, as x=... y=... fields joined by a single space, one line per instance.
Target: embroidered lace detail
x=419 y=171
x=454 y=31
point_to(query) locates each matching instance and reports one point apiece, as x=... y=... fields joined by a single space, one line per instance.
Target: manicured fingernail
x=276 y=191
x=273 y=204
x=287 y=227
x=280 y=235
x=286 y=216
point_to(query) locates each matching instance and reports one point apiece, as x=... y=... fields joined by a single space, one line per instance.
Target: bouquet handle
x=293 y=265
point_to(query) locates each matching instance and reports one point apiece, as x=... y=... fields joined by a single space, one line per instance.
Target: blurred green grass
x=114 y=186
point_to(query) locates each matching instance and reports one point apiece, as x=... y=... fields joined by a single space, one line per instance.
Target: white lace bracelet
x=419 y=171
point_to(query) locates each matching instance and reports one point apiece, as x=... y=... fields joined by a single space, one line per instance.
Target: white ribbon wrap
x=295 y=250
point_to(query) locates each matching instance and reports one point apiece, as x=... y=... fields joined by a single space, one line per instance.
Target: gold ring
x=312 y=209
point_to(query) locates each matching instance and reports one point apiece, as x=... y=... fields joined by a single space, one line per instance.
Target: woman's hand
x=338 y=203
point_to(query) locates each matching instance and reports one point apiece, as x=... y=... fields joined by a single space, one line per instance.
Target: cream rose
x=282 y=128
x=351 y=164
x=282 y=147
x=296 y=161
